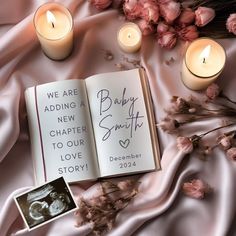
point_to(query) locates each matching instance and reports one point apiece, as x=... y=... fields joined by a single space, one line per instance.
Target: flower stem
x=227 y=98
x=199 y=118
x=220 y=127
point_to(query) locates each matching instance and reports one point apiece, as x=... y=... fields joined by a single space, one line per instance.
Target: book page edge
x=151 y=117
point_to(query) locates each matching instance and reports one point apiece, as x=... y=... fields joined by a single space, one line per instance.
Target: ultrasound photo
x=45 y=203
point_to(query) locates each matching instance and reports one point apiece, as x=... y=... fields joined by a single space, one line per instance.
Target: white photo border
x=53 y=218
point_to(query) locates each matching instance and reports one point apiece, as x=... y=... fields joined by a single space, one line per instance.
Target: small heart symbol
x=124 y=143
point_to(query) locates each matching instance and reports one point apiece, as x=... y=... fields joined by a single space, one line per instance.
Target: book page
x=120 y=123
x=62 y=125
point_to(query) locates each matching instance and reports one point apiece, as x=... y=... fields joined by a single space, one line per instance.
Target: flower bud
x=196 y=189
x=162 y=27
x=231 y=23
x=169 y=125
x=189 y=33
x=225 y=143
x=101 y=4
x=170 y=11
x=150 y=11
x=167 y=39
x=185 y=145
x=186 y=17
x=145 y=27
x=213 y=91
x=132 y=9
x=203 y=16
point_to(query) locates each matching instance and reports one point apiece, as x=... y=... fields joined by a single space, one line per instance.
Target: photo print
x=45 y=203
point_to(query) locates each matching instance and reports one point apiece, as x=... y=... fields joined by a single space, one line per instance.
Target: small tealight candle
x=129 y=37
x=204 y=61
x=54 y=27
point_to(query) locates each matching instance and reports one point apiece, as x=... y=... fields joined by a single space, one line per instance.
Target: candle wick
x=53 y=25
x=204 y=60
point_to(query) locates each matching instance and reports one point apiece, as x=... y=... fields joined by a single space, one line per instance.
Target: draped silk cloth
x=160 y=208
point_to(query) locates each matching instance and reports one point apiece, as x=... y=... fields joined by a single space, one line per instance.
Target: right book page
x=124 y=129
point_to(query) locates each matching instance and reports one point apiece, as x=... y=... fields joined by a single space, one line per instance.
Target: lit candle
x=54 y=28
x=129 y=37
x=204 y=61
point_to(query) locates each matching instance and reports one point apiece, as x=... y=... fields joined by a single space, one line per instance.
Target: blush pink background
x=160 y=208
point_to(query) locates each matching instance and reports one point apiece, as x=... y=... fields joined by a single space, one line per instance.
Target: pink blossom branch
x=101 y=211
x=187 y=144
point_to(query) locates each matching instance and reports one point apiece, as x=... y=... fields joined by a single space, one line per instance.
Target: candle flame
x=205 y=53
x=51 y=18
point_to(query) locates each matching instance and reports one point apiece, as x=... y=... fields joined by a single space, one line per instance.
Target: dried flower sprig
x=184 y=111
x=100 y=212
x=187 y=144
x=197 y=107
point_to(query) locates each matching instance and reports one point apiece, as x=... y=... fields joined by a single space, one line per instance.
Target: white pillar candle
x=129 y=37
x=54 y=27
x=204 y=61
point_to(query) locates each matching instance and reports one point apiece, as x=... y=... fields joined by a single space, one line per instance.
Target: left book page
x=61 y=133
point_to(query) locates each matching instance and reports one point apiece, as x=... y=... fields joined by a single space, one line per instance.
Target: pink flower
x=150 y=10
x=119 y=205
x=185 y=145
x=225 y=142
x=132 y=9
x=170 y=11
x=180 y=105
x=204 y=15
x=101 y=4
x=167 y=39
x=125 y=185
x=196 y=188
x=212 y=91
x=162 y=27
x=186 y=17
x=231 y=153
x=145 y=27
x=169 y=125
x=231 y=23
x=189 y=33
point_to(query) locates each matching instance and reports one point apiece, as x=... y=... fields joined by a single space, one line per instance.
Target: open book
x=98 y=127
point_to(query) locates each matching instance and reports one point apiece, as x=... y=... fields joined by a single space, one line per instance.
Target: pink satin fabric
x=160 y=207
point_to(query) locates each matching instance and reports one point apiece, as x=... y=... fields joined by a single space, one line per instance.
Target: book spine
x=35 y=136
x=151 y=117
